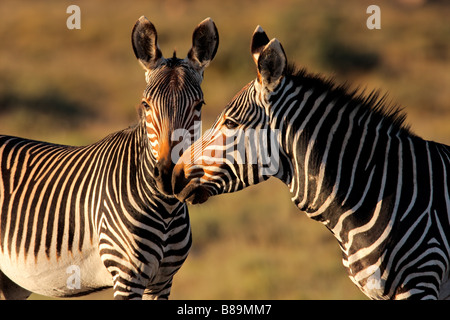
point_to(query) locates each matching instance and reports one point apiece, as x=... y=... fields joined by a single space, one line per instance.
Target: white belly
x=72 y=274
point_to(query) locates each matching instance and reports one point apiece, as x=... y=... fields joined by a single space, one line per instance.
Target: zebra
x=74 y=220
x=350 y=162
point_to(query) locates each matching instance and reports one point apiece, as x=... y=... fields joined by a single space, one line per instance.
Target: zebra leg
x=158 y=292
x=9 y=290
x=127 y=288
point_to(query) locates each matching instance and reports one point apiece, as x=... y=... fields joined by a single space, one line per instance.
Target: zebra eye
x=198 y=106
x=230 y=124
x=145 y=104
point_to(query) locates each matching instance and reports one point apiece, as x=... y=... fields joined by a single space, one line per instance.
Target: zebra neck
x=338 y=148
x=129 y=167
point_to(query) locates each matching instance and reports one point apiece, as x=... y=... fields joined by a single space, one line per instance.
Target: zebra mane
x=374 y=101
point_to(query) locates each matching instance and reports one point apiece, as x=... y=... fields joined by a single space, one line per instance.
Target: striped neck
x=336 y=144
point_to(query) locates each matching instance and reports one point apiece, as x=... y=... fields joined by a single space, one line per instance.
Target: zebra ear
x=145 y=46
x=259 y=41
x=271 y=64
x=205 y=41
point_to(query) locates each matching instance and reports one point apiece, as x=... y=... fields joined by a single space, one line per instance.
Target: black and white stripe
x=100 y=209
x=350 y=163
x=58 y=202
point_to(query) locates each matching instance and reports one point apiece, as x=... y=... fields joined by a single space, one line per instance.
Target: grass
x=77 y=86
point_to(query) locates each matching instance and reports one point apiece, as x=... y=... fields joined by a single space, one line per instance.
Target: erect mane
x=374 y=101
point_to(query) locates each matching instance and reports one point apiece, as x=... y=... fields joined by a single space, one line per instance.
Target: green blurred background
x=77 y=86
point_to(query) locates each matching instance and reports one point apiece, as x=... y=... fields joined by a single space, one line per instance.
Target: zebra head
x=173 y=97
x=241 y=148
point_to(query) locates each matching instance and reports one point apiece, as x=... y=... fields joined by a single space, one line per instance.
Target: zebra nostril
x=156 y=172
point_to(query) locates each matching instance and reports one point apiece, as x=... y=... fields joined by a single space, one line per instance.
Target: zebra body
x=349 y=163
x=102 y=212
x=27 y=258
x=64 y=206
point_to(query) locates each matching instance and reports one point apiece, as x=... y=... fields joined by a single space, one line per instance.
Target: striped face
x=173 y=97
x=241 y=149
x=172 y=102
x=230 y=156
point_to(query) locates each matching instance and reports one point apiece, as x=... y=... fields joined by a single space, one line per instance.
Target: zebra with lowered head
x=105 y=212
x=349 y=162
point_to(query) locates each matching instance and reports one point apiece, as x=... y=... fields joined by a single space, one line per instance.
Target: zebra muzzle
x=163 y=176
x=193 y=194
x=187 y=190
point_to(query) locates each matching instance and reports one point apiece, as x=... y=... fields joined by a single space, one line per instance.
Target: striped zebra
x=74 y=220
x=349 y=162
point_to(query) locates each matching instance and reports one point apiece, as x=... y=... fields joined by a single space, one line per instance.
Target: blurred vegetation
x=77 y=86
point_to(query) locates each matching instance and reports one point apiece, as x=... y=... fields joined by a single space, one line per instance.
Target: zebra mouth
x=193 y=194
